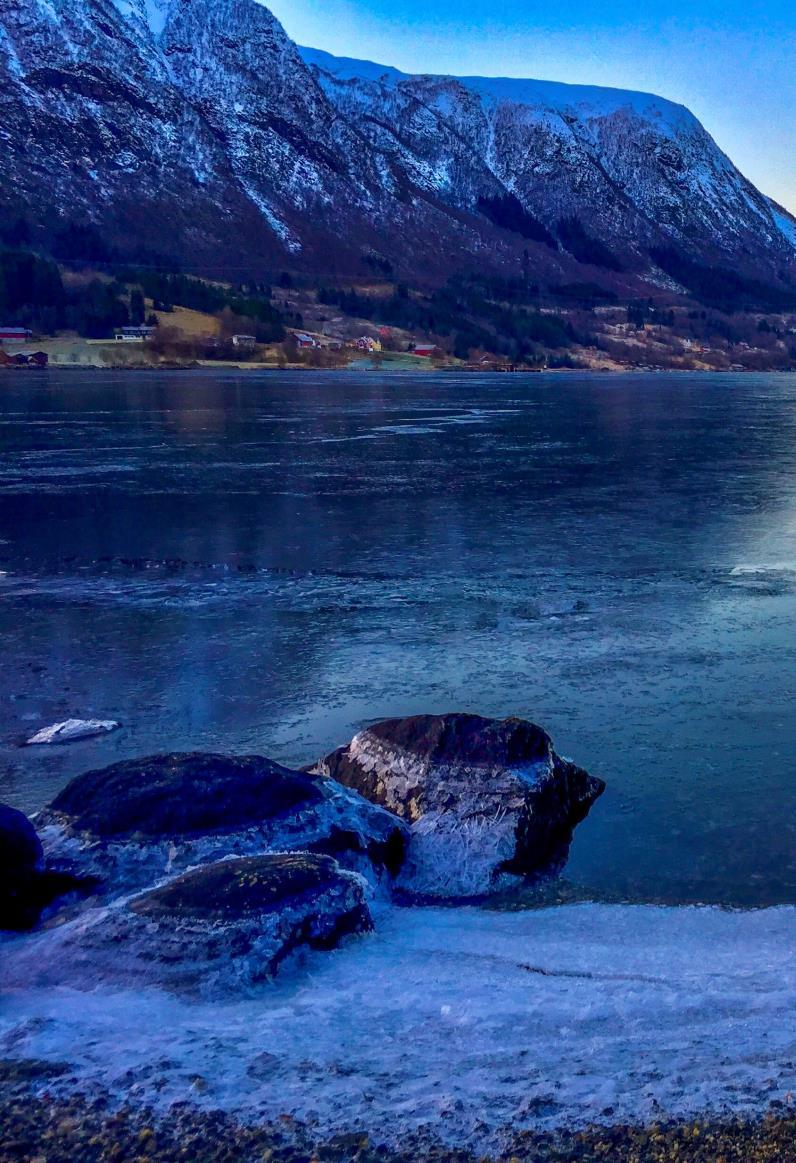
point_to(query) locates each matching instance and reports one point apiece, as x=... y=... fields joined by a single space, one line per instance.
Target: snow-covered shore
x=469 y=1020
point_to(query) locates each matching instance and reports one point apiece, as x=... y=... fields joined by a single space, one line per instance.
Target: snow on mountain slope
x=199 y=130
x=785 y=222
x=591 y=99
x=93 y=127
x=627 y=163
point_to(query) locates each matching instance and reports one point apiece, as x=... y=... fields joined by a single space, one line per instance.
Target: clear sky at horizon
x=732 y=63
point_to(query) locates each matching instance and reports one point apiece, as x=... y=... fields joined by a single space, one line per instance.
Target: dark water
x=266 y=563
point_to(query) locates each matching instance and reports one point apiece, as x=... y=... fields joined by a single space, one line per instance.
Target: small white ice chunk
x=73 y=729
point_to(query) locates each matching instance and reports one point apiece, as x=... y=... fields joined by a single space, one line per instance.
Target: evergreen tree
x=137 y=307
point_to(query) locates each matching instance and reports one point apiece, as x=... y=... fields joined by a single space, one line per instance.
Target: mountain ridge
x=353 y=68
x=198 y=132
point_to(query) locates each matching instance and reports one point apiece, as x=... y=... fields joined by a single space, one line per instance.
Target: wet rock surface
x=235 y=888
x=483 y=795
x=21 y=852
x=136 y=821
x=182 y=795
x=236 y=921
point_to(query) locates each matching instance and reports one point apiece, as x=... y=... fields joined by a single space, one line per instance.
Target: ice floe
x=73 y=729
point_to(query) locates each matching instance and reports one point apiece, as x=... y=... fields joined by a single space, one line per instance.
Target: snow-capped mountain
x=197 y=129
x=630 y=164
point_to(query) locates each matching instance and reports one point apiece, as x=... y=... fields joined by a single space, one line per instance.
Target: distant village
x=19 y=348
x=304 y=329
x=367 y=344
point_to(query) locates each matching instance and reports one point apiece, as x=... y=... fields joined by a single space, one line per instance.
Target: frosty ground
x=470 y=1023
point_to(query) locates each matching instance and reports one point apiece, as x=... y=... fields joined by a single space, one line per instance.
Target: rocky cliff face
x=632 y=166
x=199 y=130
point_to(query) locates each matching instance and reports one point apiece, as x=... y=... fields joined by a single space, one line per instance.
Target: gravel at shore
x=42 y=1121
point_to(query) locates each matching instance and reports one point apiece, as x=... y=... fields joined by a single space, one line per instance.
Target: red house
x=425 y=349
x=14 y=334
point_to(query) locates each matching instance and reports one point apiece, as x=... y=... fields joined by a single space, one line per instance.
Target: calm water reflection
x=265 y=563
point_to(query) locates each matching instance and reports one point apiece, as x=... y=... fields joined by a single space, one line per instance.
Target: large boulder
x=224 y=925
x=138 y=820
x=21 y=862
x=27 y=887
x=483 y=796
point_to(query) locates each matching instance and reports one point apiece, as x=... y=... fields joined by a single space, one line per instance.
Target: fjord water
x=264 y=563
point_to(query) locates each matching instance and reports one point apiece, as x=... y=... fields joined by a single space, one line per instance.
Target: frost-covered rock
x=225 y=925
x=484 y=796
x=139 y=820
x=72 y=730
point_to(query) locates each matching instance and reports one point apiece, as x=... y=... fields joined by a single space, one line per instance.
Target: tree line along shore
x=95 y=314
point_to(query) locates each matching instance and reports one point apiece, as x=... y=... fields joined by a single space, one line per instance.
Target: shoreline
x=481 y=1028
x=206 y=366
x=42 y=1117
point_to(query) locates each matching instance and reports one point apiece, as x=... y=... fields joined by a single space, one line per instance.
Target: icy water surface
x=265 y=563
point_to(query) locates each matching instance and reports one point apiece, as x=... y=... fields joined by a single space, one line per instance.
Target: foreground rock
x=72 y=730
x=226 y=925
x=136 y=821
x=27 y=887
x=21 y=861
x=484 y=796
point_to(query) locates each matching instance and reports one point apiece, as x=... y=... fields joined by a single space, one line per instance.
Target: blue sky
x=733 y=63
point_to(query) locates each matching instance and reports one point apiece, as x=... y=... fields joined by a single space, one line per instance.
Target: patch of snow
x=156 y=15
x=12 y=61
x=152 y=13
x=280 y=228
x=467 y=1021
x=785 y=223
x=347 y=68
x=73 y=729
x=592 y=100
x=659 y=278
